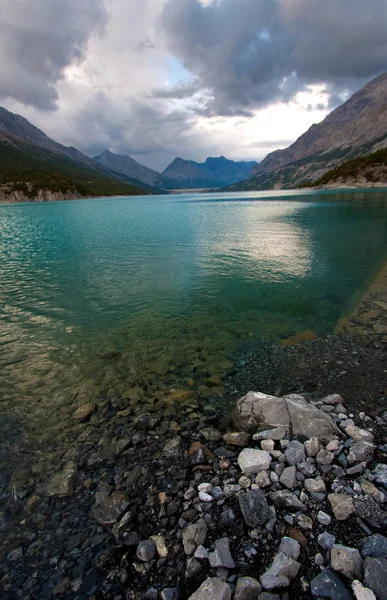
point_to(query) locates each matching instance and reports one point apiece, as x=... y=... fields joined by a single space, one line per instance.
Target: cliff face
x=41 y=196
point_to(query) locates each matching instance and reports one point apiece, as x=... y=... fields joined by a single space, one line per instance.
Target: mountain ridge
x=355 y=128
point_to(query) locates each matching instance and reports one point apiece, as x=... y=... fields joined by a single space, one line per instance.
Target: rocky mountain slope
x=30 y=161
x=214 y=172
x=365 y=171
x=128 y=166
x=356 y=128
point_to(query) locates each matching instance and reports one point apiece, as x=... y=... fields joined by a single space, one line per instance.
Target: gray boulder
x=258 y=412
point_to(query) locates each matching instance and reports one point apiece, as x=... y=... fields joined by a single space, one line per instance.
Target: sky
x=157 y=79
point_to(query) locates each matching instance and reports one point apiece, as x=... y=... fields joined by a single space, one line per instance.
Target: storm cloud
x=247 y=54
x=161 y=78
x=38 y=40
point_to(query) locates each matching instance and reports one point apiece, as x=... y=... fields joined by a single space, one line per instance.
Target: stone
x=247 y=588
x=282 y=571
x=369 y=489
x=254 y=508
x=342 y=506
x=362 y=593
x=253 y=461
x=162 y=550
x=268 y=596
x=294 y=453
x=308 y=421
x=263 y=479
x=63 y=483
x=278 y=433
x=15 y=555
x=220 y=556
x=380 y=474
x=146 y=550
x=304 y=522
x=306 y=468
x=324 y=457
x=333 y=446
x=312 y=446
x=211 y=434
x=201 y=553
x=205 y=497
x=205 y=487
x=244 y=482
x=360 y=451
x=329 y=585
x=290 y=547
x=111 y=509
x=375 y=576
x=169 y=594
x=230 y=489
x=359 y=435
x=237 y=438
x=32 y=503
x=323 y=518
x=172 y=448
x=258 y=411
x=319 y=559
x=286 y=499
x=375 y=546
x=347 y=561
x=84 y=412
x=194 y=535
x=315 y=486
x=194 y=569
x=326 y=540
x=267 y=445
x=288 y=477
x=333 y=399
x=213 y=588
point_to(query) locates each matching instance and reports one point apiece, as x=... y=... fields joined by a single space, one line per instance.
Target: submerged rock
x=63 y=483
x=110 y=510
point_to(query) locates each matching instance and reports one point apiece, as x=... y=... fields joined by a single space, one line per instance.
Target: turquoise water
x=104 y=294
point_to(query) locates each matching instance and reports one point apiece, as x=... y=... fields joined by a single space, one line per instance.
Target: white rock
x=312 y=446
x=267 y=445
x=359 y=435
x=362 y=593
x=253 y=461
x=205 y=497
x=205 y=487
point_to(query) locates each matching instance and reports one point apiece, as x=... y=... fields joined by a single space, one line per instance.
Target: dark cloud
x=177 y=92
x=247 y=55
x=38 y=40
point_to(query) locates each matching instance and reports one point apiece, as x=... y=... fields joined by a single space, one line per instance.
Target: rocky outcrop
x=40 y=196
x=257 y=412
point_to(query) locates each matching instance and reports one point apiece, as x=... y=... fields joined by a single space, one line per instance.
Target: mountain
x=30 y=160
x=214 y=172
x=131 y=168
x=356 y=128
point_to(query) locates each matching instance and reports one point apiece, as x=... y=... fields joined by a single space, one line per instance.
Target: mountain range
x=32 y=164
x=356 y=128
x=180 y=174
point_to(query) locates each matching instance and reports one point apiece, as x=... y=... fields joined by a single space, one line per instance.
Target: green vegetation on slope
x=24 y=163
x=373 y=167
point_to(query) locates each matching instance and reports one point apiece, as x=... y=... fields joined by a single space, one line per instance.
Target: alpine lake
x=133 y=300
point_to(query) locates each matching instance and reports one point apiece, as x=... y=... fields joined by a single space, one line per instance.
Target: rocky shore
x=283 y=499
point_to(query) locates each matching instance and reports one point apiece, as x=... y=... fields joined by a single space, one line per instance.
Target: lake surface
x=97 y=296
